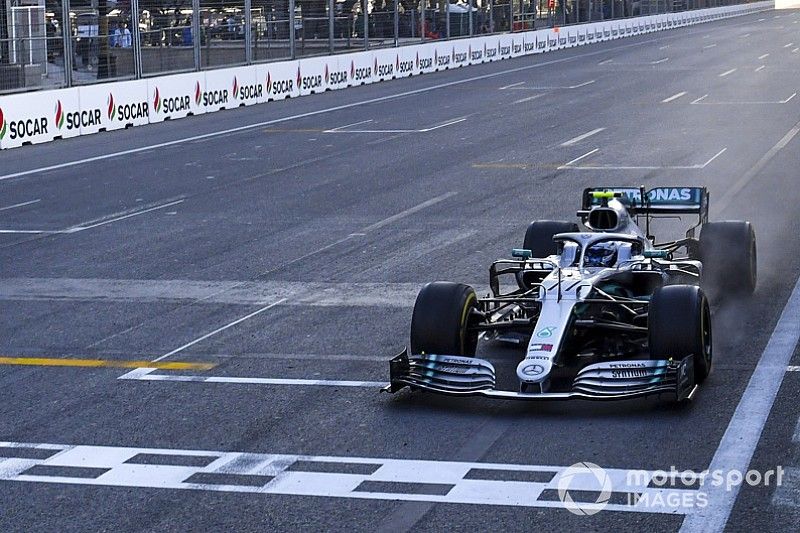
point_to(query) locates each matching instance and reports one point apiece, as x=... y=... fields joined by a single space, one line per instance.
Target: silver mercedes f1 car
x=607 y=313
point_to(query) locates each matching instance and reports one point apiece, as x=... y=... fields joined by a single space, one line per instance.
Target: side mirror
x=521 y=253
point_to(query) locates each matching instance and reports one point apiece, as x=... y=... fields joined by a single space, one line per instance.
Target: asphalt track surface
x=292 y=250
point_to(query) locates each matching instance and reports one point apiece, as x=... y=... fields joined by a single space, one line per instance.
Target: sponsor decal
x=77 y=119
x=489 y=52
x=540 y=348
x=59 y=115
x=327 y=73
x=3 y=126
x=459 y=58
x=532 y=369
x=246 y=92
x=361 y=73
x=279 y=87
x=504 y=50
x=528 y=46
x=517 y=47
x=157 y=101
x=111 y=111
x=397 y=62
x=352 y=69
x=385 y=69
x=197 y=93
x=546 y=332
x=308 y=82
x=632 y=373
x=404 y=67
x=126 y=112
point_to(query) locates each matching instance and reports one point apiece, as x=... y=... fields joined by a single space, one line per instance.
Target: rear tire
x=539 y=236
x=441 y=316
x=728 y=254
x=679 y=324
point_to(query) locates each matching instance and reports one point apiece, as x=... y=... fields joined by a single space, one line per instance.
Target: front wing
x=613 y=380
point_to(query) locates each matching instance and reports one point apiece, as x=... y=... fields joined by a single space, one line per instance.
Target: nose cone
x=534 y=370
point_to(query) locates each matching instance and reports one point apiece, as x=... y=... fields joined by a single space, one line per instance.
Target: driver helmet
x=602 y=254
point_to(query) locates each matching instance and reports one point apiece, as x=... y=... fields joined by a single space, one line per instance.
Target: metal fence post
x=66 y=37
x=471 y=29
x=292 y=43
x=447 y=18
x=136 y=35
x=196 y=30
x=248 y=31
x=331 y=26
x=396 y=25
x=491 y=16
x=365 y=15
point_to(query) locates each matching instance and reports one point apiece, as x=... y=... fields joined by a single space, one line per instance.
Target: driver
x=603 y=254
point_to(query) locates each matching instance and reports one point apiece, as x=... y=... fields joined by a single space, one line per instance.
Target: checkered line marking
x=261 y=473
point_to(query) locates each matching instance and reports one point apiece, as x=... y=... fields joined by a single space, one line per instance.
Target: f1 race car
x=608 y=313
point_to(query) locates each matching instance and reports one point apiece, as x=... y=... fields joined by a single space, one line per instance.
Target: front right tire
x=679 y=325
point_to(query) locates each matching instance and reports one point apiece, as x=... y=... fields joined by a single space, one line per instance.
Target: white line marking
x=580 y=138
x=587 y=154
x=605 y=62
x=746 y=35
x=370 y=478
x=794 y=50
x=409 y=211
x=584 y=84
x=698 y=100
x=91 y=224
x=528 y=99
x=673 y=97
x=82 y=227
x=632 y=167
x=218 y=330
x=663 y=47
x=348 y=125
x=710 y=46
x=736 y=448
x=727 y=72
x=788 y=45
x=793 y=368
x=512 y=85
x=424 y=130
x=763 y=56
x=23 y=204
x=148 y=376
x=704 y=165
x=759 y=69
x=719 y=206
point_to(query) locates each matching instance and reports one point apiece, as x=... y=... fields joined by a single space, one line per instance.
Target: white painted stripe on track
x=735 y=450
x=460 y=482
x=145 y=374
x=21 y=204
x=582 y=137
x=727 y=72
x=219 y=330
x=673 y=97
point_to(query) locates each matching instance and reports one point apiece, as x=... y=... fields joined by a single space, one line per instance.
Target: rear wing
x=656 y=201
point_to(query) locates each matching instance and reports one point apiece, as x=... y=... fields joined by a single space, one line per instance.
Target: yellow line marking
x=104 y=363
